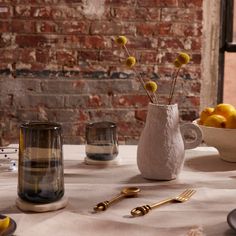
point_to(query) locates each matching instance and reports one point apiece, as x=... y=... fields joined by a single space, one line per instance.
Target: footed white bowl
x=224 y=140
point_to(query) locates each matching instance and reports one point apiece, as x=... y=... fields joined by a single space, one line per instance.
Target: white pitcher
x=160 y=153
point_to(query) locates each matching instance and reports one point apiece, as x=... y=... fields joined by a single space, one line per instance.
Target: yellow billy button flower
x=121 y=40
x=177 y=63
x=151 y=86
x=130 y=61
x=183 y=58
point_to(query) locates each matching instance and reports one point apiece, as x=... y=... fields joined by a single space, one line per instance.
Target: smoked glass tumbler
x=101 y=141
x=40 y=170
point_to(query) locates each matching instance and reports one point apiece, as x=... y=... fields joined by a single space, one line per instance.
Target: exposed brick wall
x=58 y=62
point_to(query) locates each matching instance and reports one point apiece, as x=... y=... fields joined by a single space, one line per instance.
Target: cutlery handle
x=158 y=204
x=143 y=210
x=102 y=206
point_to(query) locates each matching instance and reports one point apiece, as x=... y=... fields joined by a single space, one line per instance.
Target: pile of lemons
x=222 y=116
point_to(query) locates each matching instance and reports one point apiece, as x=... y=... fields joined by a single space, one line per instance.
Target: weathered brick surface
x=59 y=62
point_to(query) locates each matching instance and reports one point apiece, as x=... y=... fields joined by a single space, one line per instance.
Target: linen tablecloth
x=86 y=185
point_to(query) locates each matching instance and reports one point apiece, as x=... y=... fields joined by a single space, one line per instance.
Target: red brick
x=6 y=55
x=47 y=27
x=87 y=101
x=94 y=42
x=135 y=14
x=140 y=43
x=112 y=28
x=130 y=101
x=180 y=43
x=26 y=56
x=181 y=15
x=157 y=3
x=66 y=58
x=42 y=55
x=6 y=39
x=187 y=30
x=120 y=2
x=74 y=27
x=68 y=12
x=130 y=128
x=5 y=26
x=41 y=12
x=22 y=11
x=147 y=29
x=147 y=57
x=88 y=55
x=190 y=4
x=35 y=41
x=5 y=11
x=141 y=115
x=22 y=26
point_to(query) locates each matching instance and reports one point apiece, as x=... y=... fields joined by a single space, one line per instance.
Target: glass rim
x=42 y=125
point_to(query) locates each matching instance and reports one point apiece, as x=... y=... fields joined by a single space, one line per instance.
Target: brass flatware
x=143 y=210
x=125 y=192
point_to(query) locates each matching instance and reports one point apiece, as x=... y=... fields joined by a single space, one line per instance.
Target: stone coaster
x=114 y=162
x=40 y=207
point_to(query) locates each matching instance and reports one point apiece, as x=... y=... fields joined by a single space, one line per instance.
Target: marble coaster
x=114 y=162
x=39 y=207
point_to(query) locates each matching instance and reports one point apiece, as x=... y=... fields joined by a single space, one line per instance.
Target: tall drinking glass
x=40 y=169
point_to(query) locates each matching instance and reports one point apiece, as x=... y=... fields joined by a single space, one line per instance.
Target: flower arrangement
x=150 y=86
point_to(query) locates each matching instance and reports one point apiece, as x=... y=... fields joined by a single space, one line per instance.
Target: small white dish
x=231 y=219
x=10 y=229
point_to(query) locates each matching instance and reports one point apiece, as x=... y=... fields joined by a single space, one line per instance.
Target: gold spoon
x=125 y=192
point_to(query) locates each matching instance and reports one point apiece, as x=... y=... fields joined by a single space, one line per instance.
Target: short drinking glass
x=101 y=141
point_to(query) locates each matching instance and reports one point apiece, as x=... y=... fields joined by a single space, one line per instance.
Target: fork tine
x=187 y=193
x=184 y=193
x=191 y=193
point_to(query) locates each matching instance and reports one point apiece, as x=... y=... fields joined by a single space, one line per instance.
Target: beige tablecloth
x=86 y=185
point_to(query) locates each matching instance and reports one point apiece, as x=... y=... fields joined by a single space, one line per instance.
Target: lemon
x=4 y=223
x=217 y=121
x=231 y=121
x=205 y=113
x=224 y=109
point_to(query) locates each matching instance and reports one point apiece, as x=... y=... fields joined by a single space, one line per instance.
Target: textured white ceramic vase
x=160 y=154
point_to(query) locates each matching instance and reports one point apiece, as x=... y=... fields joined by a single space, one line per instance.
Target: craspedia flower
x=151 y=86
x=130 y=61
x=121 y=40
x=177 y=63
x=183 y=58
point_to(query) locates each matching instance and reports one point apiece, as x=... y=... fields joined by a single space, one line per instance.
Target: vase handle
x=191 y=128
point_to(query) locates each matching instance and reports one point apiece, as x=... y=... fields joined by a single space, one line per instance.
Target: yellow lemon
x=205 y=113
x=224 y=109
x=4 y=223
x=217 y=121
x=231 y=121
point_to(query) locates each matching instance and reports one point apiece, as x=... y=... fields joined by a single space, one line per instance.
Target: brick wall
x=58 y=62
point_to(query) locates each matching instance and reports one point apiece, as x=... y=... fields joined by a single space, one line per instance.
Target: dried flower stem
x=140 y=78
x=173 y=85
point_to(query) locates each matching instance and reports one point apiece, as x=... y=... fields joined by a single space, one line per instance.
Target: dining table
x=205 y=213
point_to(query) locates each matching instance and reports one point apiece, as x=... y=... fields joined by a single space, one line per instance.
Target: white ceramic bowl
x=224 y=140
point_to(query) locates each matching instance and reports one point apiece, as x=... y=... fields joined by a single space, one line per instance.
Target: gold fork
x=183 y=197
